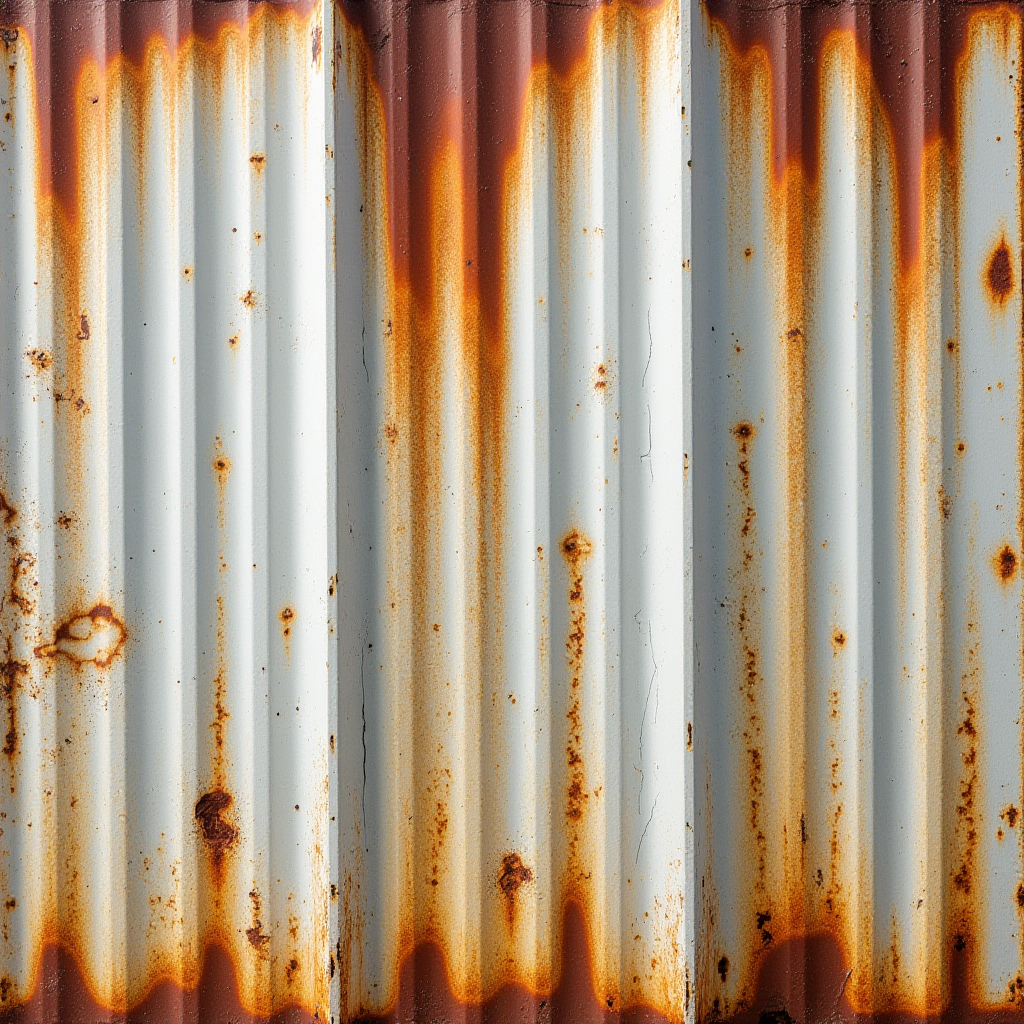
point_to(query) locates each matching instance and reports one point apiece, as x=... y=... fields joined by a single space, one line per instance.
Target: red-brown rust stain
x=1010 y=814
x=96 y=637
x=1004 y=563
x=914 y=53
x=512 y=876
x=576 y=548
x=188 y=273
x=424 y=991
x=248 y=299
x=257 y=939
x=233 y=341
x=286 y=617
x=12 y=674
x=218 y=833
x=216 y=997
x=998 y=276
x=258 y=161
x=838 y=640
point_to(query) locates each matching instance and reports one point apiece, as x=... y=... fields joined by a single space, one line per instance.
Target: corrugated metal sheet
x=492 y=535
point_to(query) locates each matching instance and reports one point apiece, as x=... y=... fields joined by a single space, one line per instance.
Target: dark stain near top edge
x=65 y=36
x=500 y=44
x=912 y=47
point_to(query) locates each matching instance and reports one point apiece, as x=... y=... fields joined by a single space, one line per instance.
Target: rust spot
x=258 y=160
x=511 y=877
x=66 y=521
x=748 y=252
x=689 y=735
x=5 y=983
x=391 y=432
x=290 y=969
x=218 y=833
x=40 y=358
x=83 y=328
x=838 y=640
x=951 y=346
x=1009 y=815
x=221 y=468
x=187 y=272
x=233 y=340
x=961 y=447
x=286 y=616
x=1004 y=561
x=723 y=968
x=744 y=431
x=249 y=298
x=1020 y=895
x=601 y=381
x=999 y=275
x=258 y=236
x=7 y=510
x=8 y=36
x=96 y=636
x=576 y=548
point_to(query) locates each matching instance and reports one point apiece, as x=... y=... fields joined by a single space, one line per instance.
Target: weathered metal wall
x=344 y=419
x=386 y=633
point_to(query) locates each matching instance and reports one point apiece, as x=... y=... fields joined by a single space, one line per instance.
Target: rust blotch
x=94 y=637
x=1004 y=561
x=258 y=160
x=40 y=359
x=999 y=274
x=576 y=548
x=218 y=833
x=512 y=875
x=838 y=640
x=249 y=299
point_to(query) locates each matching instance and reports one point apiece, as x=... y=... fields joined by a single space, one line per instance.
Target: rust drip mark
x=258 y=160
x=576 y=549
x=7 y=510
x=95 y=637
x=512 y=876
x=40 y=359
x=217 y=831
x=12 y=672
x=1004 y=561
x=257 y=939
x=999 y=274
x=744 y=433
x=286 y=616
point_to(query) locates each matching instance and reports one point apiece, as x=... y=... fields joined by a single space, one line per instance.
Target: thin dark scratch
x=650 y=350
x=362 y=683
x=647 y=704
x=646 y=827
x=650 y=443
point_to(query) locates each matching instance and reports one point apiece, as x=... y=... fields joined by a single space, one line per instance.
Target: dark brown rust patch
x=576 y=548
x=1004 y=561
x=83 y=328
x=95 y=637
x=7 y=510
x=999 y=274
x=723 y=968
x=188 y=273
x=255 y=935
x=1010 y=814
x=249 y=299
x=40 y=359
x=512 y=875
x=838 y=640
x=12 y=672
x=258 y=160
x=218 y=833
x=233 y=341
x=1020 y=895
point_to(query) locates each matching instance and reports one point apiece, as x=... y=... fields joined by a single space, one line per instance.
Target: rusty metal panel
x=345 y=420
x=857 y=340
